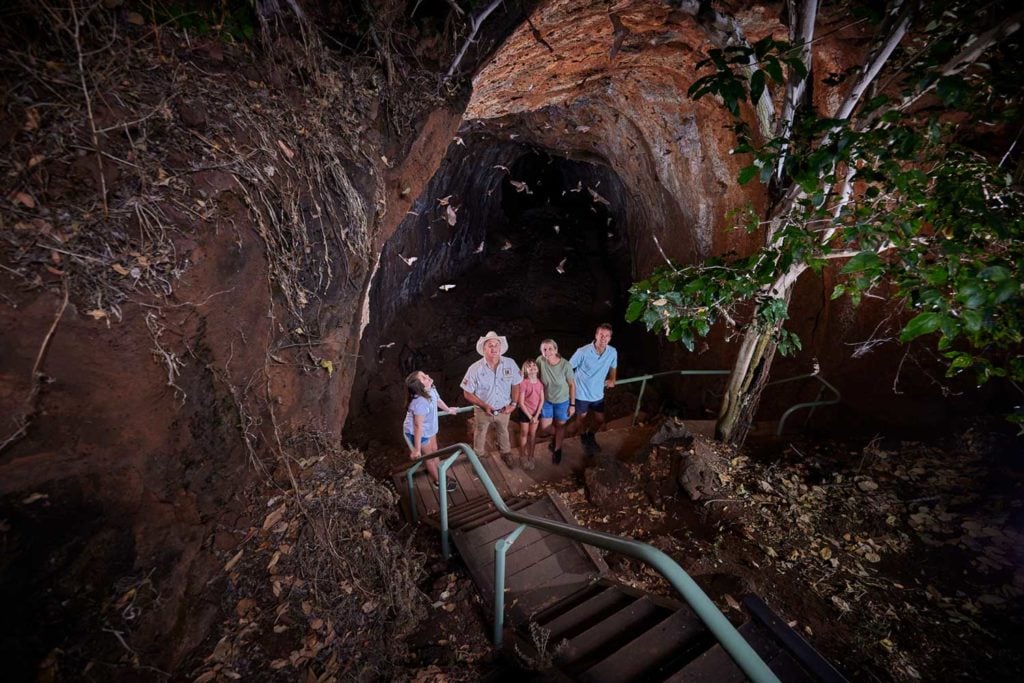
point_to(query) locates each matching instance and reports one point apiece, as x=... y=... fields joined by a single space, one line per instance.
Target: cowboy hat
x=491 y=335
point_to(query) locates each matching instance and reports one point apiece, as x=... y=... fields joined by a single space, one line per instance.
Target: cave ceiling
x=608 y=85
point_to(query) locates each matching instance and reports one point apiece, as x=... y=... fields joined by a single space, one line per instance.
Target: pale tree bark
x=802 y=19
x=752 y=367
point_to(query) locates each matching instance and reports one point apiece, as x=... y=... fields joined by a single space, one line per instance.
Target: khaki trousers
x=482 y=422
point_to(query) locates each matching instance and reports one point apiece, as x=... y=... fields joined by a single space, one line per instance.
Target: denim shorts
x=423 y=439
x=560 y=411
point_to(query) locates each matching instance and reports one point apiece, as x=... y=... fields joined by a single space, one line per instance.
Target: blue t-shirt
x=592 y=370
x=426 y=408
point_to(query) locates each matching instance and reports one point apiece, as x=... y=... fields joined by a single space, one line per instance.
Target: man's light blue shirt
x=592 y=370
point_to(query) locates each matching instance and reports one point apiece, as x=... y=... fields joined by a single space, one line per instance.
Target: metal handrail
x=810 y=404
x=837 y=396
x=733 y=643
x=643 y=383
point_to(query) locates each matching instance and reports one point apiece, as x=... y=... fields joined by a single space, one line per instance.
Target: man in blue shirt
x=595 y=366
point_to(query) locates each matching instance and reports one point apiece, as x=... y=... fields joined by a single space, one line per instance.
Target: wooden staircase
x=558 y=591
x=608 y=632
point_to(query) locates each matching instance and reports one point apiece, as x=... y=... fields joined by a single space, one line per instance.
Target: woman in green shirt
x=559 y=394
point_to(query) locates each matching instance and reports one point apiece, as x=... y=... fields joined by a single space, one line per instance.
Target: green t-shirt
x=556 y=379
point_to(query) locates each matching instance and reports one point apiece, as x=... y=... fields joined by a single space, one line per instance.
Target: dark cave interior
x=540 y=247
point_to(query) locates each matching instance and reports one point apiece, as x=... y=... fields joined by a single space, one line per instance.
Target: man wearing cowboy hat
x=492 y=385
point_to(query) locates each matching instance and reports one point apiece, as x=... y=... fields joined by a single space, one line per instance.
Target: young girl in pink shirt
x=531 y=399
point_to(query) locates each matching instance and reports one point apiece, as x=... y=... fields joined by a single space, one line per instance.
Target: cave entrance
x=538 y=249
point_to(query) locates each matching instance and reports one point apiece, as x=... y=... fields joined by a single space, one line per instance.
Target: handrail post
x=501 y=547
x=412 y=491
x=640 y=396
x=817 y=399
x=442 y=489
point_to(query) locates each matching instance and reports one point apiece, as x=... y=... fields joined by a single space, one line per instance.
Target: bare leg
x=532 y=439
x=545 y=426
x=579 y=425
x=524 y=432
x=559 y=433
x=431 y=465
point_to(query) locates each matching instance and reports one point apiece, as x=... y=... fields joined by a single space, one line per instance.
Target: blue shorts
x=423 y=439
x=584 y=407
x=559 y=411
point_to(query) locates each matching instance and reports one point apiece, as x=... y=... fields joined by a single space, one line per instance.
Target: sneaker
x=451 y=485
x=508 y=460
x=529 y=464
x=556 y=457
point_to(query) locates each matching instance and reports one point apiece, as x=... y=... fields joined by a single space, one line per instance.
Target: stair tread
x=717 y=666
x=606 y=601
x=679 y=635
x=606 y=633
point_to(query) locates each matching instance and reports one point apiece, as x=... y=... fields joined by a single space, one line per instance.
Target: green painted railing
x=643 y=382
x=730 y=639
x=836 y=397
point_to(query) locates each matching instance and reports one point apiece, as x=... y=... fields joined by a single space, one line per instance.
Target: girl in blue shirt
x=421 y=421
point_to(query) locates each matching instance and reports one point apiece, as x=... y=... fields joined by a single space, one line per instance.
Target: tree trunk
x=743 y=394
x=750 y=371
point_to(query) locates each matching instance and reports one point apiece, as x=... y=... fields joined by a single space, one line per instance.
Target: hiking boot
x=592 y=440
x=450 y=485
x=556 y=457
x=508 y=460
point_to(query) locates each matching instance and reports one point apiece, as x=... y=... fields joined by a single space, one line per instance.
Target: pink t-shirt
x=531 y=395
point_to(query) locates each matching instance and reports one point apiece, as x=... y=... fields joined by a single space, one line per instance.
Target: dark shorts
x=584 y=407
x=519 y=416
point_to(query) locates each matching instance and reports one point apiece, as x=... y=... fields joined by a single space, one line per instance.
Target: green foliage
x=933 y=226
x=764 y=60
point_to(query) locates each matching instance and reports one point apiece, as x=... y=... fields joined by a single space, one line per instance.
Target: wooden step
x=584 y=615
x=717 y=666
x=541 y=568
x=676 y=640
x=608 y=635
x=486 y=514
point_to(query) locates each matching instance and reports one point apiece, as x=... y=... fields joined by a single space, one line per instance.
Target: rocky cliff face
x=189 y=233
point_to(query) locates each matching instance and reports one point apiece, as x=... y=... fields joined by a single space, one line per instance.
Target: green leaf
x=925 y=323
x=864 y=261
x=972 y=320
x=995 y=273
x=838 y=291
x=1006 y=291
x=636 y=307
x=747 y=174
x=756 y=86
x=774 y=70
